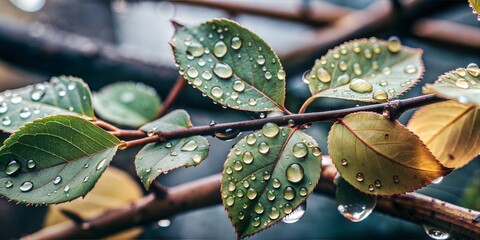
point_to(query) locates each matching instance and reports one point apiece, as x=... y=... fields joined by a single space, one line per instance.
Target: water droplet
x=294 y=173
x=360 y=85
x=25 y=113
x=256 y=221
x=270 y=130
x=241 y=216
x=378 y=183
x=252 y=102
x=260 y=59
x=360 y=177
x=8 y=184
x=276 y=183
x=344 y=162
x=207 y=75
x=259 y=208
x=238 y=86
x=396 y=179
x=287 y=208
x=473 y=69
x=266 y=175
x=380 y=95
x=296 y=215
x=217 y=92
x=316 y=151
x=222 y=70
x=174 y=153
x=195 y=49
x=168 y=145
x=148 y=170
x=31 y=163
x=356 y=211
x=323 y=75
x=367 y=53
x=197 y=82
x=371 y=188
x=343 y=79
x=237 y=166
x=230 y=201
x=251 y=139
x=268 y=75
x=300 y=150
x=236 y=42
x=3 y=107
x=16 y=99
x=247 y=157
x=462 y=83
x=61 y=89
x=461 y=72
x=220 y=49
x=26 y=186
x=271 y=195
x=85 y=179
x=197 y=158
x=229 y=170
x=6 y=121
x=101 y=164
x=263 y=148
x=12 y=167
x=435 y=233
x=192 y=72
x=231 y=186
x=251 y=193
x=303 y=192
x=357 y=69
x=342 y=65
x=86 y=165
x=410 y=69
x=246 y=184
x=274 y=213
x=189 y=146
x=437 y=180
x=394 y=45
x=289 y=193
x=38 y=92
x=281 y=74
x=227 y=135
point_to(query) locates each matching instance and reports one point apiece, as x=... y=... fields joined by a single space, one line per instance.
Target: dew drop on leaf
x=26 y=186
x=360 y=85
x=25 y=113
x=101 y=164
x=237 y=166
x=410 y=69
x=473 y=69
x=461 y=72
x=189 y=146
x=207 y=75
x=251 y=193
x=256 y=221
x=197 y=158
x=380 y=95
x=462 y=83
x=300 y=150
x=303 y=192
x=343 y=79
x=270 y=130
x=3 y=107
x=220 y=49
x=251 y=139
x=192 y=72
x=296 y=215
x=195 y=49
x=31 y=164
x=259 y=208
x=261 y=59
x=323 y=75
x=288 y=193
x=6 y=121
x=8 y=184
x=294 y=173
x=222 y=70
x=217 y=92
x=276 y=183
x=263 y=148
x=344 y=162
x=360 y=177
x=236 y=42
x=230 y=201
x=247 y=157
x=281 y=74
x=12 y=167
x=394 y=45
x=274 y=213
x=357 y=69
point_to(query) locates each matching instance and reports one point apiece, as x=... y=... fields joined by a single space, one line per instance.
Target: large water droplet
x=57 y=180
x=31 y=164
x=435 y=233
x=189 y=146
x=323 y=75
x=410 y=69
x=217 y=92
x=237 y=166
x=259 y=208
x=38 y=92
x=289 y=193
x=461 y=72
x=356 y=212
x=256 y=221
x=230 y=201
x=8 y=184
x=394 y=45
x=207 y=75
x=380 y=95
x=281 y=74
x=276 y=183
x=12 y=167
x=274 y=213
x=223 y=70
x=296 y=215
x=238 y=86
x=192 y=72
x=195 y=49
x=343 y=79
x=101 y=164
x=247 y=157
x=263 y=148
x=26 y=186
x=25 y=113
x=251 y=139
x=360 y=177
x=462 y=83
x=251 y=193
x=316 y=151
x=260 y=59
x=300 y=150
x=270 y=130
x=220 y=49
x=360 y=85
x=227 y=135
x=473 y=69
x=294 y=173
x=236 y=42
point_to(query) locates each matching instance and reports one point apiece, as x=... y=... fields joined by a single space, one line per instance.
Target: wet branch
x=459 y=222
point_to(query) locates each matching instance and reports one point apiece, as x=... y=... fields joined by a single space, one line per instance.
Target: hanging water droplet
x=380 y=95
x=251 y=139
x=236 y=42
x=247 y=157
x=303 y=192
x=323 y=75
x=294 y=173
x=195 y=49
x=101 y=164
x=436 y=233
x=360 y=177
x=437 y=180
x=220 y=49
x=410 y=69
x=357 y=69
x=25 y=113
x=8 y=184
x=356 y=211
x=238 y=86
x=227 y=135
x=217 y=92
x=473 y=69
x=289 y=193
x=306 y=77
x=394 y=45
x=462 y=83
x=296 y=215
x=300 y=150
x=26 y=186
x=281 y=74
x=274 y=213
x=360 y=85
x=31 y=163
x=260 y=59
x=263 y=148
x=16 y=99
x=189 y=146
x=12 y=167
x=270 y=130
x=251 y=193
x=222 y=70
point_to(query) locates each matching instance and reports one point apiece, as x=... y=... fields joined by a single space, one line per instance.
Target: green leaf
x=127 y=103
x=230 y=64
x=54 y=159
x=159 y=157
x=354 y=205
x=267 y=175
x=381 y=157
x=62 y=95
x=450 y=130
x=461 y=84
x=367 y=70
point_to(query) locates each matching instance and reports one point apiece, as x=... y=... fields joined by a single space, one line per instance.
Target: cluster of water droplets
x=335 y=69
x=279 y=193
x=211 y=70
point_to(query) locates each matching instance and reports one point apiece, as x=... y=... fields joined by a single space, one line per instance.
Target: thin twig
x=105 y=125
x=176 y=90
x=457 y=221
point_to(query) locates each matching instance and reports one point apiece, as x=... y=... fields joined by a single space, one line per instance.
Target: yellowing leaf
x=450 y=130
x=368 y=70
x=102 y=198
x=381 y=157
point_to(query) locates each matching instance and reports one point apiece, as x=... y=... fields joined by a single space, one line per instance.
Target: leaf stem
x=176 y=90
x=306 y=104
x=105 y=125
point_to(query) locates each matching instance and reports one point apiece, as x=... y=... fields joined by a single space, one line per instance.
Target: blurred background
x=104 y=41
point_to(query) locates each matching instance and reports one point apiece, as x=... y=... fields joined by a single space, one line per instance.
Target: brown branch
x=457 y=221
x=448 y=32
x=172 y=95
x=319 y=14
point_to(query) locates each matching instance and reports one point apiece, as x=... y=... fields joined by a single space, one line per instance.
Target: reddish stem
x=176 y=90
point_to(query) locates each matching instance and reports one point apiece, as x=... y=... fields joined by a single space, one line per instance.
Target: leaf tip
x=177 y=25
